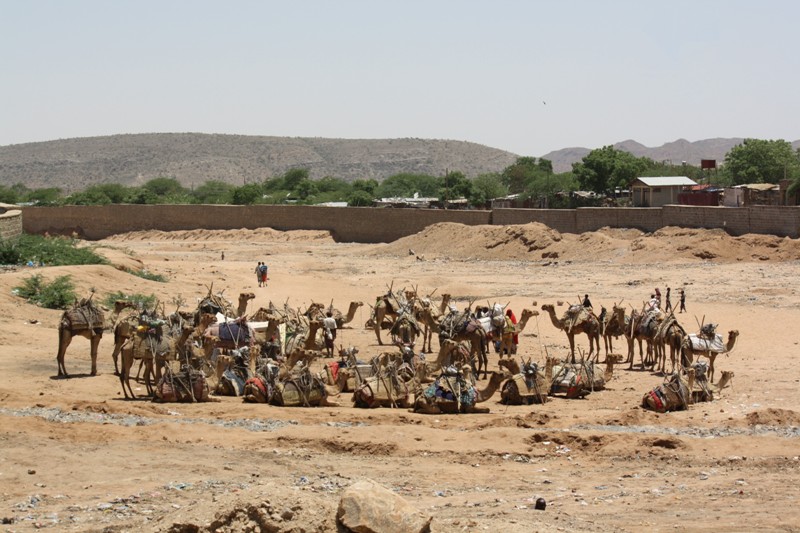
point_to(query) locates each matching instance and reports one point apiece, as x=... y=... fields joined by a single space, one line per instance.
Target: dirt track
x=78 y=457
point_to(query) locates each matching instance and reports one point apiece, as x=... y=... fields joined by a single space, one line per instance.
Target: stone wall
x=369 y=225
x=10 y=222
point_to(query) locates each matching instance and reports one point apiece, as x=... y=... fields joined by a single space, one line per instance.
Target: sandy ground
x=77 y=457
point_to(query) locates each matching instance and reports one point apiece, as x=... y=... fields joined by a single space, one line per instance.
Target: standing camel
x=614 y=325
x=84 y=320
x=696 y=346
x=574 y=322
x=507 y=340
x=150 y=349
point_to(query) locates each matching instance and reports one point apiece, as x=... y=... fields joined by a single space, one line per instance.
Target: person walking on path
x=264 y=277
x=668 y=307
x=683 y=301
x=258 y=273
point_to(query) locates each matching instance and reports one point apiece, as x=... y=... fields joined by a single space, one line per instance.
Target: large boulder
x=367 y=507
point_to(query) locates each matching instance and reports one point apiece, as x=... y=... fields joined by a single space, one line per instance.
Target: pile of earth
x=537 y=242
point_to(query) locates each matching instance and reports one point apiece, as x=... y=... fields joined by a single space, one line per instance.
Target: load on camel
x=454 y=392
x=84 y=319
x=577 y=319
x=290 y=384
x=576 y=380
x=527 y=385
x=385 y=388
x=348 y=372
x=614 y=325
x=430 y=317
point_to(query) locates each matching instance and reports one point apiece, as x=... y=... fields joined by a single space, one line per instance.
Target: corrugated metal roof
x=667 y=181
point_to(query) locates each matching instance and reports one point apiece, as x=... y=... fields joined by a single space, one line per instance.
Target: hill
x=675 y=152
x=193 y=158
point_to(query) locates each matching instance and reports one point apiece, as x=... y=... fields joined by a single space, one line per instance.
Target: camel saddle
x=672 y=395
x=705 y=344
x=188 y=385
x=451 y=392
x=84 y=315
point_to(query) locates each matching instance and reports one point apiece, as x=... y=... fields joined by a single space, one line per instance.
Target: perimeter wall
x=370 y=225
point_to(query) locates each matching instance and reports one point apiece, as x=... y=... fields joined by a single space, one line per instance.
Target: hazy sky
x=523 y=76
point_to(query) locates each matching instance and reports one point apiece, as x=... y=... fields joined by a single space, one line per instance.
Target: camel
x=149 y=348
x=455 y=393
x=124 y=326
x=405 y=329
x=430 y=317
x=85 y=319
x=507 y=340
x=316 y=311
x=244 y=297
x=670 y=334
x=525 y=386
x=644 y=327
x=384 y=389
x=450 y=353
x=300 y=388
x=614 y=325
x=696 y=346
x=388 y=307
x=577 y=320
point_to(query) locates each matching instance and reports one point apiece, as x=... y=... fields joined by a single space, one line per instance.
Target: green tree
x=515 y=175
x=293 y=177
x=359 y=198
x=247 y=194
x=165 y=187
x=760 y=161
x=487 y=187
x=455 y=185
x=369 y=186
x=605 y=168
x=8 y=195
x=47 y=196
x=306 y=189
x=213 y=192
x=405 y=185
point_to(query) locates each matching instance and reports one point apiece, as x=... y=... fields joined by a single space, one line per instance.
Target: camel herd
x=266 y=356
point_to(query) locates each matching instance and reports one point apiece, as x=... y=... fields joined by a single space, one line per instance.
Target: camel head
x=510 y=365
x=246 y=296
x=528 y=313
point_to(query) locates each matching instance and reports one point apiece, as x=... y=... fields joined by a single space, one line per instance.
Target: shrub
x=139 y=300
x=146 y=274
x=58 y=294
x=52 y=251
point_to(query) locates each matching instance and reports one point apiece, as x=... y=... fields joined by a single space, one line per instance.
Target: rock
x=367 y=507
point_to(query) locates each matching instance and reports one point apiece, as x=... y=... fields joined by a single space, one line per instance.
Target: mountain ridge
x=194 y=158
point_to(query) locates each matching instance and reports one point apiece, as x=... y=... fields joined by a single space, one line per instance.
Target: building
x=658 y=191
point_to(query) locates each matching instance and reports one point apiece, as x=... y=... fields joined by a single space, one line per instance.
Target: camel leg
x=147 y=373
x=64 y=339
x=95 y=343
x=125 y=373
x=711 y=357
x=572 y=346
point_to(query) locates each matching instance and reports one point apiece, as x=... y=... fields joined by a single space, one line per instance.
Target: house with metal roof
x=658 y=191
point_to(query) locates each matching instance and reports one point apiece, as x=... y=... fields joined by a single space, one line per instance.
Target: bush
x=52 y=251
x=139 y=300
x=146 y=274
x=58 y=294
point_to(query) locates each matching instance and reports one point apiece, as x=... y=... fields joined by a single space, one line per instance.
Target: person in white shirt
x=329 y=332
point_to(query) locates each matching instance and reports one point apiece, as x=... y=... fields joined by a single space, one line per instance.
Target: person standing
x=586 y=302
x=329 y=332
x=683 y=301
x=258 y=273
x=658 y=296
x=668 y=307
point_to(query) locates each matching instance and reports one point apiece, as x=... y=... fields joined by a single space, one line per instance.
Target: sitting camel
x=85 y=319
x=453 y=392
x=526 y=385
x=577 y=319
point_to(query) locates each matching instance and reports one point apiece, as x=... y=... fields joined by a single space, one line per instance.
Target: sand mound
x=233 y=235
x=774 y=417
x=537 y=242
